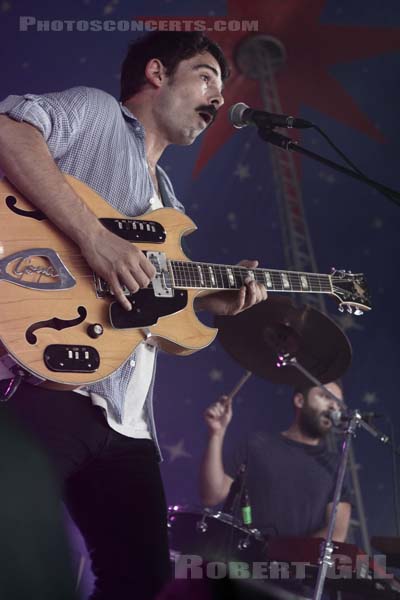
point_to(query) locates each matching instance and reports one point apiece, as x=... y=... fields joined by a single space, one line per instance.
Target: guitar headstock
x=351 y=290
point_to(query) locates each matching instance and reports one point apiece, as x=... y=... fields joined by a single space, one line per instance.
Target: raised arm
x=214 y=482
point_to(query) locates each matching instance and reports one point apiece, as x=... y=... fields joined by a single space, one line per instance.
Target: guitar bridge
x=162 y=282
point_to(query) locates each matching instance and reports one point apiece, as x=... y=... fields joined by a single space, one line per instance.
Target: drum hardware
x=213 y=535
x=254 y=338
x=351 y=420
x=243 y=544
x=275 y=334
x=201 y=525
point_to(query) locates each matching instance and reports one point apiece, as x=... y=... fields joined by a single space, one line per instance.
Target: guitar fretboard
x=197 y=275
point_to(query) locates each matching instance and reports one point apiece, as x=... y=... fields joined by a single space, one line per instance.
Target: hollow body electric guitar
x=60 y=322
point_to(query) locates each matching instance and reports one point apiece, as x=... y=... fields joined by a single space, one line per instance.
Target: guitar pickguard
x=146 y=309
x=37 y=269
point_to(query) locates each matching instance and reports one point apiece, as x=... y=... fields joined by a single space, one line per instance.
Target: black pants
x=112 y=488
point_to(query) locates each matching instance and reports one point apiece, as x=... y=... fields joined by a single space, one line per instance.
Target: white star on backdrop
x=5 y=6
x=215 y=375
x=242 y=171
x=370 y=398
x=177 y=450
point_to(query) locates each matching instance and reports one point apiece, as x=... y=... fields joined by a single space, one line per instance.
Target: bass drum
x=213 y=535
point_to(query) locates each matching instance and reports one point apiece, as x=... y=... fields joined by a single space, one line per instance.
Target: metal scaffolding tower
x=260 y=57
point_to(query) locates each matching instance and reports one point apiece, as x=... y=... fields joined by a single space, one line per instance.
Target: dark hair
x=305 y=390
x=170 y=48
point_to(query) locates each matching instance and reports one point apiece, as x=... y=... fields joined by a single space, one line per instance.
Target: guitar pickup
x=136 y=230
x=71 y=359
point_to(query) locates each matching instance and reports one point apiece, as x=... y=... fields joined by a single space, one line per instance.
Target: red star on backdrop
x=312 y=48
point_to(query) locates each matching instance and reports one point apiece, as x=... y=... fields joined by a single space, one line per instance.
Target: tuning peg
x=349 y=309
x=358 y=312
x=341 y=308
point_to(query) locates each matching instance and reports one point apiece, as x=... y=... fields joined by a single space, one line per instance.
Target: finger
x=140 y=277
x=128 y=279
x=264 y=292
x=251 y=294
x=228 y=404
x=250 y=264
x=225 y=399
x=210 y=413
x=119 y=293
x=147 y=267
x=241 y=300
x=260 y=295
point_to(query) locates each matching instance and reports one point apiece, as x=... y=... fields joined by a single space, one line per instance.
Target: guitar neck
x=206 y=276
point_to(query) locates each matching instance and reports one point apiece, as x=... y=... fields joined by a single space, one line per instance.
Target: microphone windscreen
x=236 y=114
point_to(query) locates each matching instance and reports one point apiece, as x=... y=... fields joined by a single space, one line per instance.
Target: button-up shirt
x=94 y=138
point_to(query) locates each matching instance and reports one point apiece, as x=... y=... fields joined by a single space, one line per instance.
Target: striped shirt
x=94 y=138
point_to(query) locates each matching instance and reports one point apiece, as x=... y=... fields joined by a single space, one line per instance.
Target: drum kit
x=298 y=346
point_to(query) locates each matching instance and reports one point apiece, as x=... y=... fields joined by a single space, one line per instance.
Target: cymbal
x=255 y=338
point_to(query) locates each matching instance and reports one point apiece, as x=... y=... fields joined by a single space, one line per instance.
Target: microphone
x=247 y=518
x=368 y=416
x=241 y=115
x=234 y=491
x=337 y=416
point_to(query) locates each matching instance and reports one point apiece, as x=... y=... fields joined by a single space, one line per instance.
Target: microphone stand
x=353 y=420
x=286 y=143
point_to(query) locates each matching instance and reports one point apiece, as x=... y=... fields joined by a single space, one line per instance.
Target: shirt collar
x=131 y=117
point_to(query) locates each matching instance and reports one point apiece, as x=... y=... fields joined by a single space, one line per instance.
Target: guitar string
x=184 y=270
x=190 y=269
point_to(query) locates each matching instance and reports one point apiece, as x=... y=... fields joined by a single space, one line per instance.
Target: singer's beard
x=310 y=423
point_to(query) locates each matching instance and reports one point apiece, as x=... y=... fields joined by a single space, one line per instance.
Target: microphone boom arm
x=286 y=143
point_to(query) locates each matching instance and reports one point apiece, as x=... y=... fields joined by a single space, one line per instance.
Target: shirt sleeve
x=58 y=116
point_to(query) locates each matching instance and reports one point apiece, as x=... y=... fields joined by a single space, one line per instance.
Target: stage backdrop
x=341 y=71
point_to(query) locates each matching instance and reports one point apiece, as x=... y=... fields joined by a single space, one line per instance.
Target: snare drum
x=213 y=535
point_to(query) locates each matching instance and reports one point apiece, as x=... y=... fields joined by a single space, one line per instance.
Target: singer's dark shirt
x=289 y=483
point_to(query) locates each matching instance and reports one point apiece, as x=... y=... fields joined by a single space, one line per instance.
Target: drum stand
x=352 y=420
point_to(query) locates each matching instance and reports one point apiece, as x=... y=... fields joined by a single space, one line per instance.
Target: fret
x=267 y=279
x=201 y=277
x=198 y=275
x=304 y=283
x=219 y=270
x=231 y=277
x=212 y=276
x=285 y=281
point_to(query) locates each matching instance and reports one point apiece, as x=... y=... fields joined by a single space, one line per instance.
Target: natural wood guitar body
x=23 y=228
